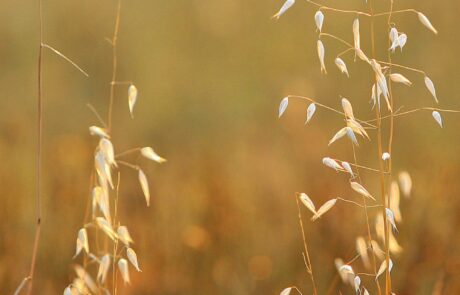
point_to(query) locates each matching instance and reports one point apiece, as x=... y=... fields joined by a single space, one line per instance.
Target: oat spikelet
x=284 y=8
x=398 y=78
x=426 y=22
x=68 y=291
x=124 y=236
x=323 y=209
x=123 y=268
x=310 y=112
x=307 y=202
x=341 y=133
x=430 y=85
x=104 y=266
x=286 y=291
x=383 y=267
x=394 y=39
x=381 y=81
x=357 y=283
x=283 y=106
x=342 y=66
x=347 y=168
x=331 y=163
x=395 y=200
x=107 y=149
x=132 y=257
x=98 y=131
x=347 y=108
x=437 y=117
x=361 y=248
x=402 y=40
x=150 y=154
x=356 y=127
x=105 y=226
x=145 y=186
x=405 y=183
x=356 y=36
x=319 y=19
x=132 y=98
x=391 y=218
x=321 y=53
x=82 y=242
x=361 y=190
x=386 y=156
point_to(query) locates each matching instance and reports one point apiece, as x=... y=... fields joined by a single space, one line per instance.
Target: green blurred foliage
x=223 y=219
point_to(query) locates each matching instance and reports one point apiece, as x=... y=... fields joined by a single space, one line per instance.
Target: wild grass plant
x=107 y=253
x=369 y=270
x=104 y=251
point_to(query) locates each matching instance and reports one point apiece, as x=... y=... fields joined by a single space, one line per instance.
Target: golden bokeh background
x=210 y=74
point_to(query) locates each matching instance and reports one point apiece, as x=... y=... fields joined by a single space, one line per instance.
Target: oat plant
x=104 y=247
x=378 y=246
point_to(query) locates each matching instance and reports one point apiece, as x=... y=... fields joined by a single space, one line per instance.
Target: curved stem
x=395 y=12
x=328 y=108
x=358 y=204
x=336 y=38
x=401 y=66
x=93 y=109
x=359 y=166
x=127 y=164
x=415 y=111
x=66 y=59
x=322 y=7
x=130 y=151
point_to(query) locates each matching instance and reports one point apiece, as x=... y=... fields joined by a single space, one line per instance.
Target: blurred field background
x=210 y=75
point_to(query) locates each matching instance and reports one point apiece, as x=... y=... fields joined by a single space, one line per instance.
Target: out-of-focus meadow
x=210 y=74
